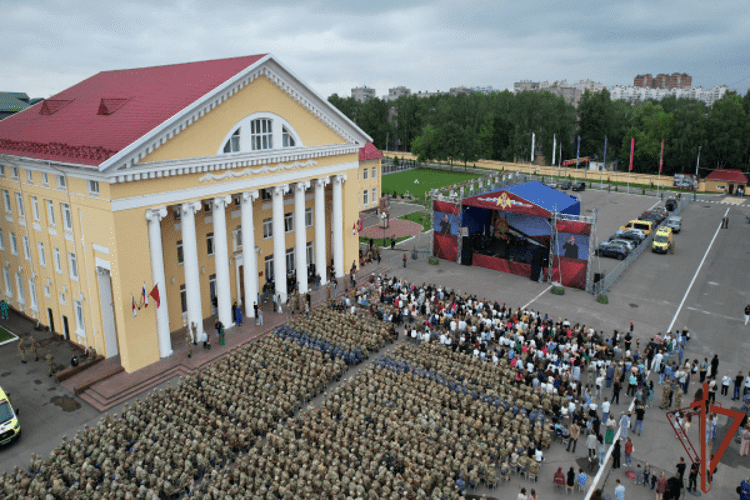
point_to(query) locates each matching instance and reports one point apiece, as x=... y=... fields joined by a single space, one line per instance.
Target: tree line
x=467 y=127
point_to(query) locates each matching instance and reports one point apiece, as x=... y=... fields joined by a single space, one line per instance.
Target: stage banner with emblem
x=507 y=202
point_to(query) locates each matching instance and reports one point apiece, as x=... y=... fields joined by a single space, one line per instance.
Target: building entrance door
x=242 y=286
x=51 y=319
x=107 y=307
x=66 y=329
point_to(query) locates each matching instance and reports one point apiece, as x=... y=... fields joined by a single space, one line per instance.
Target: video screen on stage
x=573 y=246
x=445 y=223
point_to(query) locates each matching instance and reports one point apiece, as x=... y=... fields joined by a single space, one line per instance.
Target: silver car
x=675 y=222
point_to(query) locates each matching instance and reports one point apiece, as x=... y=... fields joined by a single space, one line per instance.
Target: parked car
x=10 y=426
x=611 y=249
x=671 y=204
x=564 y=185
x=644 y=225
x=662 y=210
x=652 y=215
x=675 y=223
x=579 y=186
x=635 y=235
x=631 y=244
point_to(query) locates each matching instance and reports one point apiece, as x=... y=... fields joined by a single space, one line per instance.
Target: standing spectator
x=616 y=455
x=624 y=424
x=575 y=431
x=533 y=495
x=693 y=476
x=628 y=452
x=681 y=466
x=745 y=440
x=592 y=443
x=744 y=489
x=405 y=258
x=726 y=379
x=661 y=487
x=616 y=391
x=738 y=380
x=611 y=429
x=714 y=366
x=602 y=449
x=747 y=313
x=711 y=390
x=5 y=308
x=639 y=414
x=619 y=491
x=605 y=411
x=703 y=370
x=646 y=474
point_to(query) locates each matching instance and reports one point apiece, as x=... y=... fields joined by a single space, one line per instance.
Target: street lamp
x=383 y=217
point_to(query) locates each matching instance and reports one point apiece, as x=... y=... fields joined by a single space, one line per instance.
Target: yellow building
x=192 y=178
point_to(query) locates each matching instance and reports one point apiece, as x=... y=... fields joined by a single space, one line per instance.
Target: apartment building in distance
x=634 y=94
x=664 y=81
x=363 y=94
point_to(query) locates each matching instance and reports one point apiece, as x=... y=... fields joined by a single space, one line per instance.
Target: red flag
x=661 y=158
x=132 y=303
x=632 y=149
x=155 y=294
x=354 y=229
x=144 y=297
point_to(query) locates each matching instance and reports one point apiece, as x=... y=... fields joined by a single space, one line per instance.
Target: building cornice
x=267 y=67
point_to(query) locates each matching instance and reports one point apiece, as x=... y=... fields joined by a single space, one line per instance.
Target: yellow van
x=663 y=241
x=10 y=427
x=644 y=225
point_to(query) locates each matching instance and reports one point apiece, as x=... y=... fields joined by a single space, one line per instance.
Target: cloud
x=334 y=45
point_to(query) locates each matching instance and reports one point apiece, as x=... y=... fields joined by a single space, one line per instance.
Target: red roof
x=369 y=152
x=93 y=120
x=721 y=174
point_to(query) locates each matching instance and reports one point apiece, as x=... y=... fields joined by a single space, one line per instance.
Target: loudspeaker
x=467 y=252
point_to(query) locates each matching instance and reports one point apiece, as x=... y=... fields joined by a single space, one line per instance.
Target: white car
x=628 y=243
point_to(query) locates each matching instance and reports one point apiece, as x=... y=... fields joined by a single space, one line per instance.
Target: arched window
x=233 y=144
x=287 y=139
x=261 y=135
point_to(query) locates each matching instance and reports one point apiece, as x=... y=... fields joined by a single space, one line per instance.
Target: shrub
x=558 y=290
x=434 y=261
x=602 y=299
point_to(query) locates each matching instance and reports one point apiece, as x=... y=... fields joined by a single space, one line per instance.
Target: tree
x=649 y=125
x=347 y=105
x=727 y=129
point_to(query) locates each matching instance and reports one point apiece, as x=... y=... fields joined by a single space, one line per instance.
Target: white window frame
x=32 y=295
x=62 y=182
x=374 y=194
x=232 y=144
x=266 y=194
x=46 y=291
x=35 y=208
x=21 y=208
x=45 y=178
x=2 y=170
x=309 y=220
x=29 y=176
x=93 y=187
x=268 y=267
x=289 y=223
x=6 y=199
x=62 y=299
x=13 y=243
x=183 y=299
x=73 y=266
x=365 y=174
x=210 y=244
x=2 y=240
x=26 y=248
x=374 y=172
x=6 y=276
x=42 y=257
x=261 y=134
x=80 y=324
x=208 y=207
x=67 y=216
x=237 y=236
x=50 y=213
x=268 y=228
x=287 y=139
x=309 y=253
x=290 y=260
x=19 y=288
x=366 y=198
x=57 y=259
x=14 y=172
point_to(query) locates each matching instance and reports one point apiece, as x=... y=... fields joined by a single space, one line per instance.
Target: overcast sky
x=334 y=45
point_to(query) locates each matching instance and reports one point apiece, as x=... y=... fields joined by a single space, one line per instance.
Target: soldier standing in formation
x=35 y=348
x=22 y=350
x=50 y=362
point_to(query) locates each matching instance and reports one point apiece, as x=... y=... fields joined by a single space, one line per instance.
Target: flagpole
x=661 y=162
x=632 y=149
x=578 y=155
x=605 y=158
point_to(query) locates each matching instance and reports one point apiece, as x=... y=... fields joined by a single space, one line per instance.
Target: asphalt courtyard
x=701 y=286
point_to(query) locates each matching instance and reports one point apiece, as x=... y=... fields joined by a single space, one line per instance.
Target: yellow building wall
x=205 y=137
x=370 y=184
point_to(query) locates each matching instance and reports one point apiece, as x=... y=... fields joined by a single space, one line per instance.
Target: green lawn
x=5 y=335
x=420 y=218
x=428 y=178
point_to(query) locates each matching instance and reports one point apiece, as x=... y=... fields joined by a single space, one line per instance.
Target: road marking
x=532 y=300
x=712 y=283
x=695 y=275
x=712 y=314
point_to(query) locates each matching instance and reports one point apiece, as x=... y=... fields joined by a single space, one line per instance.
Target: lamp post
x=383 y=217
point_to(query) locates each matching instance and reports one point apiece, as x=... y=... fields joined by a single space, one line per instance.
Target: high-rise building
x=363 y=94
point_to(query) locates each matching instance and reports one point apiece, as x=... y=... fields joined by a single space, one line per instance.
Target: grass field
x=428 y=178
x=5 y=335
x=420 y=218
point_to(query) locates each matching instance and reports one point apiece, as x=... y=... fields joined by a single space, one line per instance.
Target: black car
x=655 y=216
x=579 y=186
x=612 y=249
x=564 y=185
x=671 y=204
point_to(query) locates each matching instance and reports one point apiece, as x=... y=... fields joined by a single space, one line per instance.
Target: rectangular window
x=13 y=244
x=180 y=255
x=269 y=267
x=46 y=291
x=67 y=216
x=374 y=194
x=6 y=199
x=308 y=217
x=267 y=228
x=183 y=298
x=208 y=207
x=238 y=238
x=62 y=298
x=177 y=214
x=19 y=203
x=79 y=316
x=374 y=172
x=58 y=263
x=290 y=260
x=26 y=248
x=35 y=208
x=2 y=170
x=6 y=275
x=50 y=213
x=61 y=181
x=309 y=253
x=30 y=176
x=365 y=176
x=210 y=244
x=266 y=194
x=19 y=289
x=2 y=240
x=42 y=258
x=73 y=264
x=288 y=223
x=45 y=179
x=32 y=294
x=14 y=172
x=366 y=198
x=94 y=187
x=261 y=136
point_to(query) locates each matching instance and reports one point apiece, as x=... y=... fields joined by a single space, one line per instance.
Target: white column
x=300 y=235
x=337 y=222
x=321 y=261
x=249 y=264
x=221 y=256
x=192 y=273
x=154 y=217
x=279 y=241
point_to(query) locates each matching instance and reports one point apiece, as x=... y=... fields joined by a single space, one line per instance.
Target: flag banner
x=661 y=157
x=578 y=151
x=632 y=149
x=144 y=297
x=155 y=295
x=605 y=153
x=132 y=304
x=354 y=229
x=554 y=148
